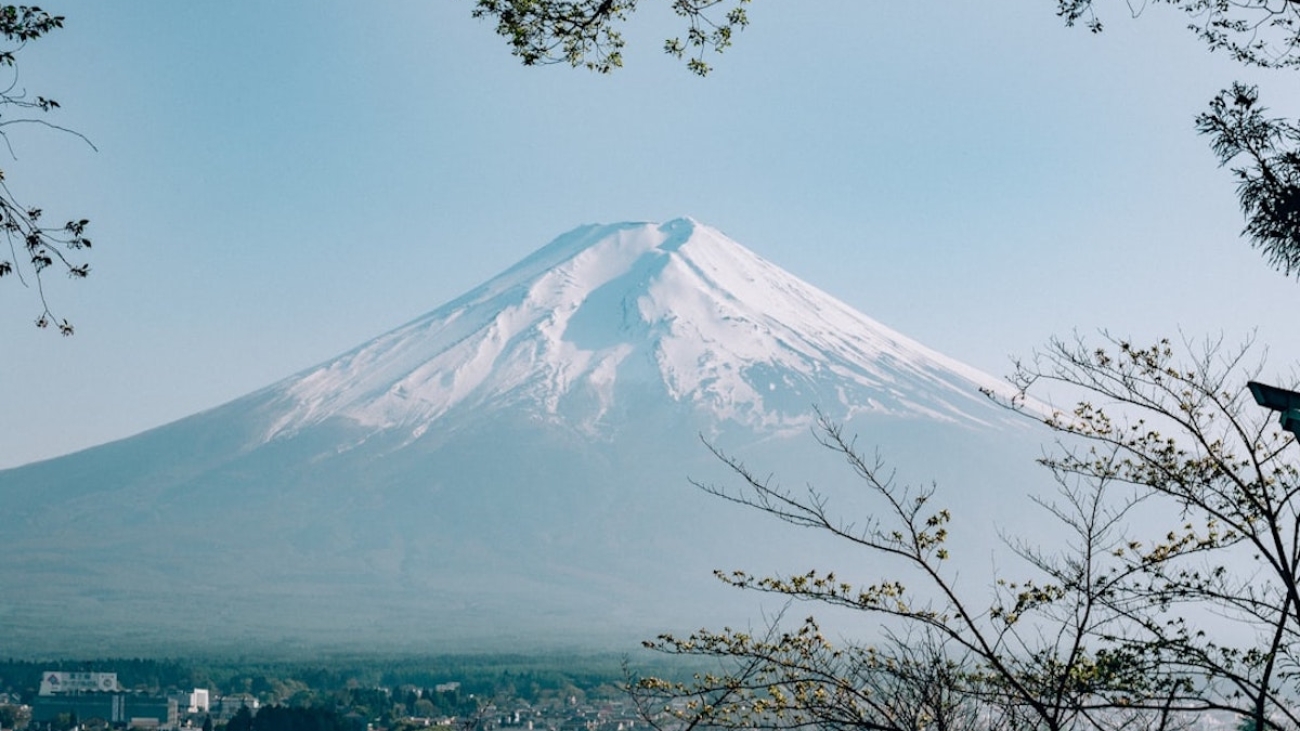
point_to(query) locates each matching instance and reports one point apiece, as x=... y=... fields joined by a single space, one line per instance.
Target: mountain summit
x=510 y=469
x=606 y=315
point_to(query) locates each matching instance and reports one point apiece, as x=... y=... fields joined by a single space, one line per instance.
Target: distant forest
x=313 y=683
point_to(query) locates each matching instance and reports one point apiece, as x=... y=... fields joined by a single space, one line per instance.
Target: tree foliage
x=587 y=32
x=1172 y=594
x=282 y=718
x=34 y=248
x=1263 y=33
x=1268 y=184
x=1256 y=33
x=241 y=721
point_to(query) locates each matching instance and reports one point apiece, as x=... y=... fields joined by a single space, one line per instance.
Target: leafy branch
x=587 y=33
x=34 y=248
x=1176 y=503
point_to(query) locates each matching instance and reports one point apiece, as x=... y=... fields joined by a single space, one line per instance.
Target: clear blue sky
x=278 y=182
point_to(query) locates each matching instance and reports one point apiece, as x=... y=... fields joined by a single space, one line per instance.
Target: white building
x=199 y=701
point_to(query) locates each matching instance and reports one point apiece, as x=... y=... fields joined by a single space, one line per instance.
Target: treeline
x=22 y=678
x=346 y=682
x=283 y=718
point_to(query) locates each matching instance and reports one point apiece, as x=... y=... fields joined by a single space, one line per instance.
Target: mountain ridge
x=515 y=463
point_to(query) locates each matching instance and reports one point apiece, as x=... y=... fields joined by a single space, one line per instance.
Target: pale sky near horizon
x=276 y=183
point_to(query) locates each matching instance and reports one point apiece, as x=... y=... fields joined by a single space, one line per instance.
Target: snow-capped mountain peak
x=602 y=312
x=510 y=469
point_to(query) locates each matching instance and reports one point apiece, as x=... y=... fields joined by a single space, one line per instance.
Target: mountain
x=680 y=308
x=512 y=468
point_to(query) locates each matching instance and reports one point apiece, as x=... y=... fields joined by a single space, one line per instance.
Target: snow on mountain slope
x=513 y=469
x=679 y=307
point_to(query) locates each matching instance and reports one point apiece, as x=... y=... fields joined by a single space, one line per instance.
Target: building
x=87 y=696
x=118 y=709
x=227 y=706
x=194 y=702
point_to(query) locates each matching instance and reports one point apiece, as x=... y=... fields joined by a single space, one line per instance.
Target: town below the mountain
x=572 y=694
x=494 y=693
